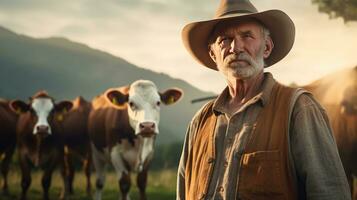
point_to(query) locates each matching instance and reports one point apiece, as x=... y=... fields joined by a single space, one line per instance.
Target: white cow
x=122 y=126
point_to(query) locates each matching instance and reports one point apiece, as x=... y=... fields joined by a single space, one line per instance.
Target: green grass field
x=161 y=186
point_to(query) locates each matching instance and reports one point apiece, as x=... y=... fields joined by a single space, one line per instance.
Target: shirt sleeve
x=319 y=171
x=180 y=190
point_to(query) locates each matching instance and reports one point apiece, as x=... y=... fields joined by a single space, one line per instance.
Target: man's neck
x=242 y=90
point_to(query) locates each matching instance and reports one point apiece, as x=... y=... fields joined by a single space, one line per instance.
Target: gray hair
x=265 y=31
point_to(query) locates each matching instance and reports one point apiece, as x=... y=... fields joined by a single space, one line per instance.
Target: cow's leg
x=67 y=169
x=124 y=184
x=141 y=181
x=5 y=169
x=25 y=176
x=99 y=166
x=70 y=174
x=87 y=170
x=46 y=181
x=121 y=171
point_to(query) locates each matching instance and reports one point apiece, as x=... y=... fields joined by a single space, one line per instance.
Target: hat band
x=235 y=13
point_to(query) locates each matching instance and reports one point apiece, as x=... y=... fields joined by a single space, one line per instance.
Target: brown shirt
x=310 y=137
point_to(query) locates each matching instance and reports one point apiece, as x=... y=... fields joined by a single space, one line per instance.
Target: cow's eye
x=158 y=103
x=132 y=105
x=33 y=112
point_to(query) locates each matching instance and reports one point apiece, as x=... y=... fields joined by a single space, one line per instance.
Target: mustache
x=240 y=57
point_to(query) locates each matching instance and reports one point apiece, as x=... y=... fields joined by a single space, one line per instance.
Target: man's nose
x=237 y=45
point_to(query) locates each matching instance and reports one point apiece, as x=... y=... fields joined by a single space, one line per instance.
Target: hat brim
x=282 y=31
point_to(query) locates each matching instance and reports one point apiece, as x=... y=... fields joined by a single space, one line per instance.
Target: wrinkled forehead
x=144 y=90
x=231 y=27
x=42 y=104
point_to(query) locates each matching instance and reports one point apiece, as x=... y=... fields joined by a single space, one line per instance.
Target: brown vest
x=265 y=166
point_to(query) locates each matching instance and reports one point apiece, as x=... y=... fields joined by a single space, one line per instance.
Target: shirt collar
x=263 y=96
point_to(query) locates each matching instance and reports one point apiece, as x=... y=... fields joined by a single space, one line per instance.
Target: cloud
x=147 y=33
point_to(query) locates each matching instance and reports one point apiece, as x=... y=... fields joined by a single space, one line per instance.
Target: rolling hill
x=67 y=69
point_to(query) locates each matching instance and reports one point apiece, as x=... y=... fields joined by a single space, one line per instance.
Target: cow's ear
x=19 y=106
x=171 y=96
x=116 y=97
x=63 y=106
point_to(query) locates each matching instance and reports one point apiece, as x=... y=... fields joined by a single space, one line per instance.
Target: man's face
x=239 y=50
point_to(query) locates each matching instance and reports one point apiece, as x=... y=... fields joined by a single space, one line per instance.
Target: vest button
x=225 y=164
x=210 y=160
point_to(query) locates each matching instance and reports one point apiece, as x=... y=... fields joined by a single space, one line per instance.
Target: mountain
x=68 y=69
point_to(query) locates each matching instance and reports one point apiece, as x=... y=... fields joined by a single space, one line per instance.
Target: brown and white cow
x=38 y=142
x=8 y=121
x=73 y=127
x=123 y=125
x=337 y=93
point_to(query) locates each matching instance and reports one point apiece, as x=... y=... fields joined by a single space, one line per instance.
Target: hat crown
x=282 y=30
x=227 y=7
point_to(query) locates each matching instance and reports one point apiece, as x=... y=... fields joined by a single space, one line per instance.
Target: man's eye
x=247 y=35
x=224 y=40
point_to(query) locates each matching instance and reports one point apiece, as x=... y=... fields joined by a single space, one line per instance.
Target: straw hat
x=282 y=30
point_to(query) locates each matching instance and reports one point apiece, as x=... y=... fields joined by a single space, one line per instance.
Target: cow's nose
x=147 y=125
x=42 y=129
x=147 y=128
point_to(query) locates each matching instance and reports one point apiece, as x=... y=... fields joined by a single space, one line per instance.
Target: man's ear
x=171 y=96
x=117 y=98
x=19 y=106
x=211 y=53
x=268 y=48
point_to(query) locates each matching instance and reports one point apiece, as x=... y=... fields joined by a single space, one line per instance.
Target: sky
x=147 y=33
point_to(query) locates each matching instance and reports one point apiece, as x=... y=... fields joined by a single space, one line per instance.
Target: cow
x=38 y=142
x=73 y=127
x=8 y=120
x=337 y=93
x=122 y=126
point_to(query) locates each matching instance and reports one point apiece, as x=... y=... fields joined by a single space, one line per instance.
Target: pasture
x=161 y=186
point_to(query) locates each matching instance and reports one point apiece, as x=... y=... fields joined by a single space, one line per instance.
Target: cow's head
x=143 y=101
x=42 y=110
x=349 y=101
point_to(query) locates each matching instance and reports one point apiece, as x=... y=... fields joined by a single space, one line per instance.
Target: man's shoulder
x=198 y=118
x=307 y=101
x=207 y=107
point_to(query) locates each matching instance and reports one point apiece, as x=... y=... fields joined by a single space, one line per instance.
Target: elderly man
x=258 y=139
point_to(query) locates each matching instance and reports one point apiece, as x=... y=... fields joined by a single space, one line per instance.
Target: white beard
x=245 y=72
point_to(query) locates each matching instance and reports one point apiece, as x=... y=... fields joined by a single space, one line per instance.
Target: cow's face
x=42 y=108
x=143 y=102
x=42 y=111
x=349 y=102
